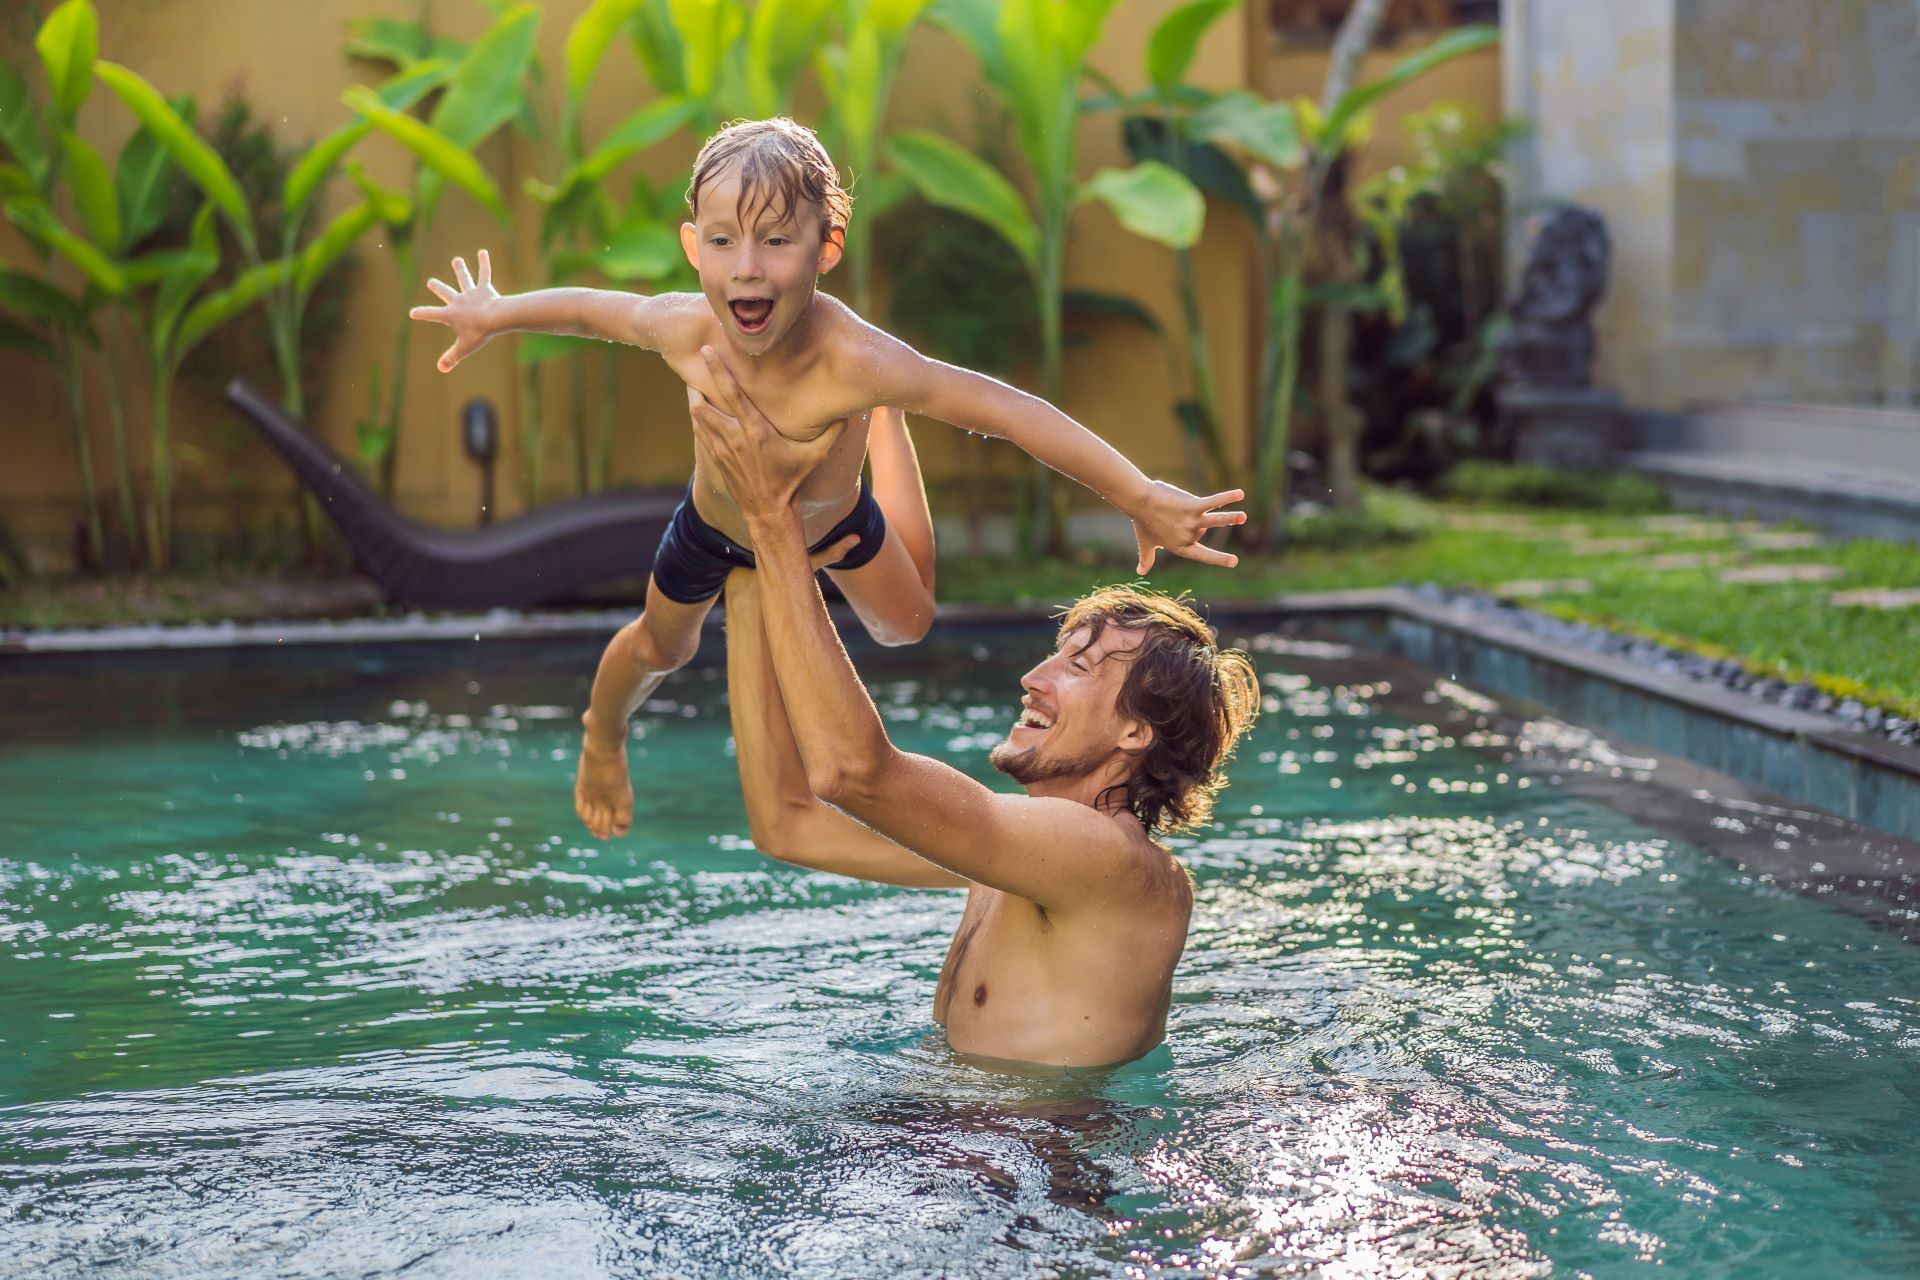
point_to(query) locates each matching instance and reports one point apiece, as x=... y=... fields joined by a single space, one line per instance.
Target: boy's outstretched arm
x=1163 y=515
x=476 y=311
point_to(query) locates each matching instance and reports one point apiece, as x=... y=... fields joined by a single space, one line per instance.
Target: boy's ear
x=690 y=244
x=831 y=251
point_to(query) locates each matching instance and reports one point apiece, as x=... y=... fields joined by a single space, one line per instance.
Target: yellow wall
x=286 y=58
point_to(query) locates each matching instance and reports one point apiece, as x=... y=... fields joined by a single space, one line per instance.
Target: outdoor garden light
x=480 y=433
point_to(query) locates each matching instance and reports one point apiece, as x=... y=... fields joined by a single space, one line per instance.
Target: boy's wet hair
x=1197 y=697
x=781 y=166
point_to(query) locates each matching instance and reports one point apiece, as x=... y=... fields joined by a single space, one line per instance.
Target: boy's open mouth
x=751 y=314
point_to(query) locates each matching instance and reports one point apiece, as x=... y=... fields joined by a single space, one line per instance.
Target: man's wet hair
x=1197 y=697
x=782 y=166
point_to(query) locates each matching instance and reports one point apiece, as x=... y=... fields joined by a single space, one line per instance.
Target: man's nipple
x=980 y=994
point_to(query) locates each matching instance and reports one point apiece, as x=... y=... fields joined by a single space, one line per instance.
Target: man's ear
x=832 y=250
x=1135 y=736
x=690 y=244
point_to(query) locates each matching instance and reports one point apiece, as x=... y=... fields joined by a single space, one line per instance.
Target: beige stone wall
x=1594 y=83
x=1757 y=165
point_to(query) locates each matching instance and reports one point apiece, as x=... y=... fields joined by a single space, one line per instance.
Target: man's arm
x=1164 y=515
x=788 y=821
x=1055 y=852
x=476 y=311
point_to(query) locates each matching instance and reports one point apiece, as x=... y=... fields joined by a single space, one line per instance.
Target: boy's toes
x=623 y=820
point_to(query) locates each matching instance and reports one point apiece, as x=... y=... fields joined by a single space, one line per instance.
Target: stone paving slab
x=1780 y=541
x=1608 y=546
x=1690 y=529
x=1877 y=598
x=1527 y=588
x=1762 y=574
x=1688 y=560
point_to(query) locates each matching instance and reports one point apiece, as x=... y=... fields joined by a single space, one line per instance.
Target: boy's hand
x=469 y=311
x=1171 y=517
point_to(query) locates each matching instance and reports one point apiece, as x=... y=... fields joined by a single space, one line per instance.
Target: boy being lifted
x=768 y=218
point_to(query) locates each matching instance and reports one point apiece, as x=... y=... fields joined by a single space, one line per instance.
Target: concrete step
x=1848 y=500
x=1877 y=440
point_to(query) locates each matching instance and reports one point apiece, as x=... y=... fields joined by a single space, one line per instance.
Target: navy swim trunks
x=694 y=558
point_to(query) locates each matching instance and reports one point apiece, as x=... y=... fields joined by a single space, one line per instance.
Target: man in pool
x=1075 y=918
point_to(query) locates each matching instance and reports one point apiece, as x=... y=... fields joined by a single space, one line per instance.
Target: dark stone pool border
x=1808 y=758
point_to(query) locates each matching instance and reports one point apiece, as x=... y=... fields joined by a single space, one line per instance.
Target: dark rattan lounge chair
x=551 y=553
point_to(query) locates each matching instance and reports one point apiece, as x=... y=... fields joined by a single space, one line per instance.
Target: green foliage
x=189 y=150
x=957 y=291
x=1500 y=484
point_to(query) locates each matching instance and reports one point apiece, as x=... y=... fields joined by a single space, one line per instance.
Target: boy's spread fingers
x=439 y=289
x=486 y=268
x=436 y=314
x=1207 y=555
x=461 y=274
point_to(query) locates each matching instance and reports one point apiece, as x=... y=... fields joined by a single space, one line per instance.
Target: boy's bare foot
x=602 y=789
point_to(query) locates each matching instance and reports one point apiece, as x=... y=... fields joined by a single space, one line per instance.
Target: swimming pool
x=310 y=972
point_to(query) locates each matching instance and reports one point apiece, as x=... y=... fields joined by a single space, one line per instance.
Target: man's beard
x=1028 y=766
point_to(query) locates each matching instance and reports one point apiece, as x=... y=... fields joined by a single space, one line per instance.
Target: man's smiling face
x=758 y=260
x=1070 y=725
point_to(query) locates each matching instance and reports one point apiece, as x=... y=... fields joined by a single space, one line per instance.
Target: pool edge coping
x=511 y=624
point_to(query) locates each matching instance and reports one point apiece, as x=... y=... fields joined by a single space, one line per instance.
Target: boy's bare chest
x=799 y=408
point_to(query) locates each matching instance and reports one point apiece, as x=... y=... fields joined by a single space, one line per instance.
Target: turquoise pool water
x=308 y=972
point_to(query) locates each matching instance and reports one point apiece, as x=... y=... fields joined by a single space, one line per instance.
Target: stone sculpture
x=1550 y=410
x=1565 y=273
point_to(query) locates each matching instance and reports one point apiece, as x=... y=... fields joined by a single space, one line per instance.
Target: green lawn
x=1784 y=629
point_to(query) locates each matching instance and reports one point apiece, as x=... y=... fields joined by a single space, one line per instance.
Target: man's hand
x=1171 y=517
x=469 y=311
x=763 y=469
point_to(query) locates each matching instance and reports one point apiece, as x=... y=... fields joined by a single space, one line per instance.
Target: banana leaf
x=1269 y=131
x=37 y=219
x=1152 y=200
x=657 y=44
x=199 y=161
x=140 y=178
x=952 y=177
x=1333 y=132
x=36 y=298
x=68 y=43
x=484 y=91
x=1171 y=47
x=434 y=149
x=395 y=208
x=1206 y=166
x=780 y=35
x=178 y=286
x=707 y=30
x=332 y=243
x=20 y=126
x=587 y=41
x=399 y=93
x=94 y=196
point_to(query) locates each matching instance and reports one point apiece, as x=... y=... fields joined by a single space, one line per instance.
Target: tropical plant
x=483 y=88
x=584 y=228
x=856 y=76
x=1184 y=126
x=1034 y=53
x=49 y=321
x=1282 y=165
